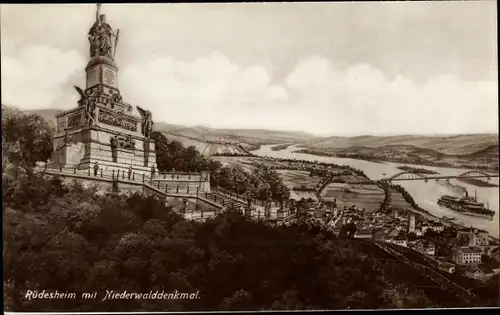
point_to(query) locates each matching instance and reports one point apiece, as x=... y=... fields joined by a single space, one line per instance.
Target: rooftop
x=400 y=237
x=426 y=243
x=471 y=249
x=473 y=269
x=446 y=264
x=363 y=232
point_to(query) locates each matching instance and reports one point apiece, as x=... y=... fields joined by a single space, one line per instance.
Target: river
x=425 y=194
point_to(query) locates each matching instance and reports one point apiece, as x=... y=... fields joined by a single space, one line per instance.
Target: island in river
x=418 y=170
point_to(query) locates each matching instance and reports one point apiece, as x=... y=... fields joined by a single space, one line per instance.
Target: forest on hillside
x=73 y=239
x=79 y=239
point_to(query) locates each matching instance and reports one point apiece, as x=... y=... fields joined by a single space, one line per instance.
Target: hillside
x=486 y=158
x=210 y=148
x=475 y=150
x=452 y=145
x=249 y=139
x=252 y=136
x=188 y=136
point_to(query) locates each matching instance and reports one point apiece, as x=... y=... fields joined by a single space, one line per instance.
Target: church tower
x=411 y=223
x=103 y=128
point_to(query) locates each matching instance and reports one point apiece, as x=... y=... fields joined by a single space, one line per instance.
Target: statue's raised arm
x=100 y=35
x=97 y=12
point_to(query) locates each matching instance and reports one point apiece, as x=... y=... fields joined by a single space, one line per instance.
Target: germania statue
x=100 y=37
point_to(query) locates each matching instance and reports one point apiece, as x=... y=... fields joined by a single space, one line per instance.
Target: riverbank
x=381 y=159
x=476 y=182
x=425 y=194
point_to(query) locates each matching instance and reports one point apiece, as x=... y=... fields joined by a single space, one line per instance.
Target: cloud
x=208 y=91
x=34 y=77
x=361 y=99
x=316 y=96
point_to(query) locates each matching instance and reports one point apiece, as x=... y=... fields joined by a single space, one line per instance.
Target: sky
x=352 y=68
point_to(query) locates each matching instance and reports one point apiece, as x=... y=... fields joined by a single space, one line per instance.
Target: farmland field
x=231 y=161
x=398 y=200
x=208 y=148
x=293 y=178
x=363 y=196
x=246 y=161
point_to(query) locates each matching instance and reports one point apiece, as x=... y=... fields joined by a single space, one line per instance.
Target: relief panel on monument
x=74 y=120
x=117 y=120
x=122 y=142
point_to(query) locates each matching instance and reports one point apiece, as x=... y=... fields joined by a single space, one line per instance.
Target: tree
x=27 y=139
x=172 y=155
x=80 y=241
x=400 y=296
x=463 y=240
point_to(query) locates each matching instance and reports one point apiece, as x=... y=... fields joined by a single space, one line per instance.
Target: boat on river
x=466 y=205
x=449 y=218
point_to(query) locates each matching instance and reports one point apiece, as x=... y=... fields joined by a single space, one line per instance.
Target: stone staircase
x=188 y=189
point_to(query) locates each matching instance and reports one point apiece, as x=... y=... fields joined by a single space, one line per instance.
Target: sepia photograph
x=264 y=156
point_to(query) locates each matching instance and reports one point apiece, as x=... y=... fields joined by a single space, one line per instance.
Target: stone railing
x=191 y=189
x=188 y=188
x=132 y=175
x=182 y=176
x=242 y=197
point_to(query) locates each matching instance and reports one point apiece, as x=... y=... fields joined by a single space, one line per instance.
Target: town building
x=446 y=267
x=411 y=223
x=477 y=237
x=400 y=240
x=425 y=247
x=401 y=227
x=474 y=272
x=418 y=232
x=467 y=255
x=437 y=227
x=363 y=233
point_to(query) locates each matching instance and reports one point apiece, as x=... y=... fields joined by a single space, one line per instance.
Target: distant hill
x=456 y=144
x=486 y=158
x=248 y=139
x=253 y=136
x=211 y=148
x=474 y=148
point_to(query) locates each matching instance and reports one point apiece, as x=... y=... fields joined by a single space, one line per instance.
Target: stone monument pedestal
x=103 y=129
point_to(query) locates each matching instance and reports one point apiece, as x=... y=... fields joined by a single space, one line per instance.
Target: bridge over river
x=413 y=176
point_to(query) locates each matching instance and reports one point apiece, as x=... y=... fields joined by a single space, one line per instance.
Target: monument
x=103 y=128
